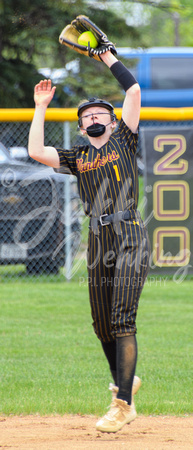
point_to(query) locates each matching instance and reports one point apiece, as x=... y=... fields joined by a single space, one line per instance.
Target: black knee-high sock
x=126 y=364
x=110 y=353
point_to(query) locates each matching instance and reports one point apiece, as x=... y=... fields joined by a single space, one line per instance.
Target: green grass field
x=51 y=361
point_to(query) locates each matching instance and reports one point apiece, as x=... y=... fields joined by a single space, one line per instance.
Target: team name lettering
x=98 y=162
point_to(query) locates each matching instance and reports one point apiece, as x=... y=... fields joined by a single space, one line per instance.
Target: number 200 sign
x=167 y=167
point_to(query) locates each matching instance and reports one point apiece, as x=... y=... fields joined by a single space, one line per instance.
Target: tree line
x=29 y=34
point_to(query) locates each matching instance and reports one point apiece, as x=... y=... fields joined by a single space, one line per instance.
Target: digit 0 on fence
x=168 y=196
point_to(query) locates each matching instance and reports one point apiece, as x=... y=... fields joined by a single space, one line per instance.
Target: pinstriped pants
x=118 y=261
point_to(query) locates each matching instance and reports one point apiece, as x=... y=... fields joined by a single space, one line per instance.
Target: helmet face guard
x=95 y=102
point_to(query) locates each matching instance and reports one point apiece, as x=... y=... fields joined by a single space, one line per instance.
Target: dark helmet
x=95 y=102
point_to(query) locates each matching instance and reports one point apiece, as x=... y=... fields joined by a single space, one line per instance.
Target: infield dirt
x=78 y=433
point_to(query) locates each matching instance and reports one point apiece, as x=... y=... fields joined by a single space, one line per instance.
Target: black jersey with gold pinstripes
x=107 y=177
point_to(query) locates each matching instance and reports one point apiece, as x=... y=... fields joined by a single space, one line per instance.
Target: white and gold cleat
x=118 y=415
x=120 y=412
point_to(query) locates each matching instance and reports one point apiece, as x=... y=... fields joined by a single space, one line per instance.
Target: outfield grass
x=51 y=361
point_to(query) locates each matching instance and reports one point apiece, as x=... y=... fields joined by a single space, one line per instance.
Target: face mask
x=96 y=130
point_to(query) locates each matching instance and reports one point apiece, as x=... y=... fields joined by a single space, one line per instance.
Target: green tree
x=27 y=31
x=29 y=34
x=167 y=22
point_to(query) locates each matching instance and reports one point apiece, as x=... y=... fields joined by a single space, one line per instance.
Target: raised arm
x=43 y=94
x=132 y=101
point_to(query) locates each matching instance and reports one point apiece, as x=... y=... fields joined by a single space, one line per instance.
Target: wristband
x=123 y=75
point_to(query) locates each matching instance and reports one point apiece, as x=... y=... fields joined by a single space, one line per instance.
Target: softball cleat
x=118 y=415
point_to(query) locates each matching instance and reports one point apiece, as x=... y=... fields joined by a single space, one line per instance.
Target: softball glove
x=70 y=34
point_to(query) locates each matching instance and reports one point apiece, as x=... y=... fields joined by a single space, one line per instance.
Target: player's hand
x=43 y=93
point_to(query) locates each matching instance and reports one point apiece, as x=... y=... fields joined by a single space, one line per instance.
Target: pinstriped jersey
x=107 y=177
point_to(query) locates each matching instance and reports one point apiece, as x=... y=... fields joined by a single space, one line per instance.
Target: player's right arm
x=132 y=102
x=43 y=94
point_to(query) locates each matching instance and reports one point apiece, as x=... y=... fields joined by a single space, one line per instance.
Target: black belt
x=106 y=219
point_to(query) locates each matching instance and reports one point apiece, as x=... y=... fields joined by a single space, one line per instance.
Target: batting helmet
x=95 y=102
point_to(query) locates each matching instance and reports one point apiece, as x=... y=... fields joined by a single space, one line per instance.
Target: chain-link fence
x=43 y=231
x=40 y=214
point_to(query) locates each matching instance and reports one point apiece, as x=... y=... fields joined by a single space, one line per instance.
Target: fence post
x=67 y=207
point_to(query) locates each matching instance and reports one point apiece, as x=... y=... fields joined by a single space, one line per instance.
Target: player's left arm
x=132 y=101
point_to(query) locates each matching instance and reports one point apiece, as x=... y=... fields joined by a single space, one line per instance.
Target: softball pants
x=118 y=261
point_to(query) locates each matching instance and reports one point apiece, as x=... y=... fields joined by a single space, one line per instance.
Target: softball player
x=118 y=246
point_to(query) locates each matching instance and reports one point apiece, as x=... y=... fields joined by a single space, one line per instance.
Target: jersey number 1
x=116 y=173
